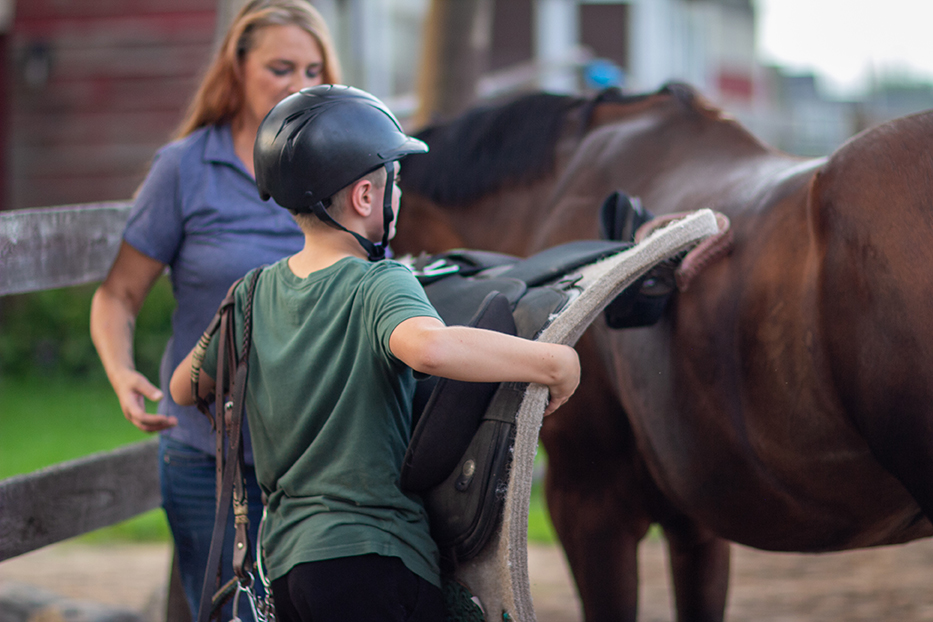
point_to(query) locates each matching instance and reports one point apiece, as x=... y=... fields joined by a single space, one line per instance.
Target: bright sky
x=844 y=41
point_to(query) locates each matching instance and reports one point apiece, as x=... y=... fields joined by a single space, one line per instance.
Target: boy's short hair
x=338 y=202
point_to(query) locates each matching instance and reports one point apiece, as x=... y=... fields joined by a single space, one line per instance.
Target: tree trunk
x=457 y=36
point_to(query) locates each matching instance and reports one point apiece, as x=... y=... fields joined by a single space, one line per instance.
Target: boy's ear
x=361 y=197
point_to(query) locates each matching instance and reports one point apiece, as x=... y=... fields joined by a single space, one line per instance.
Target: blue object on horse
x=601 y=73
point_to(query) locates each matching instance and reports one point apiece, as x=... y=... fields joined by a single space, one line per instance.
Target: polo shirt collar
x=218 y=147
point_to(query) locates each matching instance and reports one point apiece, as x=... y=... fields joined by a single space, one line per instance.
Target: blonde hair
x=220 y=96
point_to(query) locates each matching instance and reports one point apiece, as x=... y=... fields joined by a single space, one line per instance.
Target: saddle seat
x=458 y=281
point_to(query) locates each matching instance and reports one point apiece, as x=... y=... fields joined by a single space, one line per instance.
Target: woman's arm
x=114 y=308
x=476 y=355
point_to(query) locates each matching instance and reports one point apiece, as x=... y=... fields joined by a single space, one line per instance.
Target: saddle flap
x=453 y=412
x=456 y=297
x=465 y=510
x=536 y=308
x=555 y=262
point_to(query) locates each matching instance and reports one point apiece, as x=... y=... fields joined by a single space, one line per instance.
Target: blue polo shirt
x=199 y=212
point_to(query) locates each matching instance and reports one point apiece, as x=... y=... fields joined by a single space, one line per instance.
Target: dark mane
x=683 y=93
x=487 y=147
x=495 y=145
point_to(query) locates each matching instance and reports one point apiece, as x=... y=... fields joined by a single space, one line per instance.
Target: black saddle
x=459 y=454
x=460 y=450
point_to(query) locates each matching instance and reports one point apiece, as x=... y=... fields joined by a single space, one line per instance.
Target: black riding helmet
x=320 y=140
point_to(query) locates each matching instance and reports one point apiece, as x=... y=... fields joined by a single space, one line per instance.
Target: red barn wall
x=96 y=86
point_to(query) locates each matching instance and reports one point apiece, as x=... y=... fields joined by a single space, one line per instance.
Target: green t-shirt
x=329 y=411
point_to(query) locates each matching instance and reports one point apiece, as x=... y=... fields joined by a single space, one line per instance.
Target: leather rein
x=227 y=422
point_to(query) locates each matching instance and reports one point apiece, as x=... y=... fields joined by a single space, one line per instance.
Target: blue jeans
x=188 y=484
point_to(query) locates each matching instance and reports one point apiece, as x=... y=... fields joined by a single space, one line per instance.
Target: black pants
x=365 y=588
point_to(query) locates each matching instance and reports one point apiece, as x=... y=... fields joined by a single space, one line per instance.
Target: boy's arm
x=474 y=355
x=180 y=384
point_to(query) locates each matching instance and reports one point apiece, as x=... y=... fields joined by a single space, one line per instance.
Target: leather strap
x=197 y=358
x=227 y=421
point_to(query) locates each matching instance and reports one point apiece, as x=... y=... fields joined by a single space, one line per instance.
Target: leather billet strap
x=228 y=421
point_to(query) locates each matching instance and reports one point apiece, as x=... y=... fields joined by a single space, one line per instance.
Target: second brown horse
x=784 y=401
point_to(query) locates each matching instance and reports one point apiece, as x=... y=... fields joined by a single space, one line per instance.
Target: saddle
x=458 y=458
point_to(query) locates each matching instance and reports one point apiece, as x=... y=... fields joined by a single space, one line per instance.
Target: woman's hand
x=132 y=389
x=114 y=309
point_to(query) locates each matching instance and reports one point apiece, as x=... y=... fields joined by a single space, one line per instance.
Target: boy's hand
x=564 y=386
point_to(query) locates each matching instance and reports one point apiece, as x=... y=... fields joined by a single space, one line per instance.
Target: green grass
x=46 y=420
x=540 y=528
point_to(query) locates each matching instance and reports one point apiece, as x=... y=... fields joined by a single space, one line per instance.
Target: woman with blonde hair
x=198 y=212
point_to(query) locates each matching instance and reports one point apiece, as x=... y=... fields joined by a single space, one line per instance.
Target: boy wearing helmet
x=336 y=334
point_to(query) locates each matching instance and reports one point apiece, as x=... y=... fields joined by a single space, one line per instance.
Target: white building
x=547 y=43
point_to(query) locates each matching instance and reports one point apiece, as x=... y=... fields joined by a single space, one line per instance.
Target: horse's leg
x=699 y=571
x=593 y=494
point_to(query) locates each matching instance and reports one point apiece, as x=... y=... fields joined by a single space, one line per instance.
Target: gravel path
x=125 y=576
x=877 y=585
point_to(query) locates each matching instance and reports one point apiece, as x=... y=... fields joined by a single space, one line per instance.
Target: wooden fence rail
x=78 y=496
x=48 y=248
x=52 y=247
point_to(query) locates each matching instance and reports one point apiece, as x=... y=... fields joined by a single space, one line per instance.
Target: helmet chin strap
x=374 y=251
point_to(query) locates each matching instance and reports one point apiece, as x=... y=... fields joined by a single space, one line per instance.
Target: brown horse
x=785 y=400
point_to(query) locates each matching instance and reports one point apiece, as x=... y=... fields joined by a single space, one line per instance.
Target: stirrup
x=643 y=303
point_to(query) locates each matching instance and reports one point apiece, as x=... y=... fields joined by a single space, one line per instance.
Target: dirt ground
x=886 y=584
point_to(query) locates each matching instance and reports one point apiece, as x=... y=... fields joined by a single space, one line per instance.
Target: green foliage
x=540 y=528
x=47 y=333
x=44 y=420
x=149 y=527
x=55 y=401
